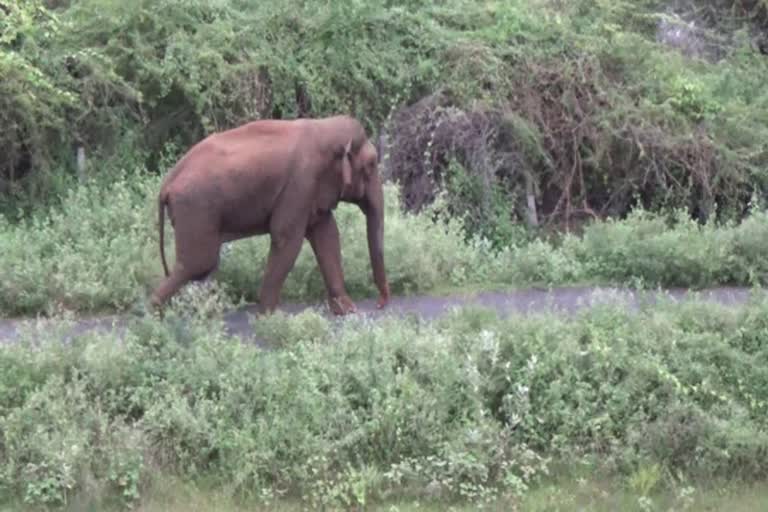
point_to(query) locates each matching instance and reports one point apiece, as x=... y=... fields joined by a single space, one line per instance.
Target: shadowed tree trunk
x=303 y=101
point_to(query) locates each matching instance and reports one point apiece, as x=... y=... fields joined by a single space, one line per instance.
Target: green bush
x=655 y=250
x=34 y=103
x=97 y=250
x=602 y=111
x=471 y=407
x=646 y=248
x=747 y=261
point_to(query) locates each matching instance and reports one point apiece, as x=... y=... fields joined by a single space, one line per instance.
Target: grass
x=600 y=496
x=97 y=251
x=560 y=496
x=468 y=410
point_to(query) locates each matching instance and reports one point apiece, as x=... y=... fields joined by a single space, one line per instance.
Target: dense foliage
x=590 y=106
x=472 y=407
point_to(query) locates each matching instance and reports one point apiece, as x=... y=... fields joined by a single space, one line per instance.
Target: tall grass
x=97 y=250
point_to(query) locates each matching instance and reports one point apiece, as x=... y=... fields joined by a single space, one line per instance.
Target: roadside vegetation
x=98 y=251
x=657 y=404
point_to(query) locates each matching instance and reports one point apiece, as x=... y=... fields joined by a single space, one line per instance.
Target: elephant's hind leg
x=194 y=262
x=169 y=287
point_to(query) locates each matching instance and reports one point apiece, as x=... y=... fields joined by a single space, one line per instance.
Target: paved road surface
x=563 y=300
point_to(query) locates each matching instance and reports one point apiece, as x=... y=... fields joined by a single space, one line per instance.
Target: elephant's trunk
x=374 y=212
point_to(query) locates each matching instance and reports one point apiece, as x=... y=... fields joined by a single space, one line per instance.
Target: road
x=563 y=300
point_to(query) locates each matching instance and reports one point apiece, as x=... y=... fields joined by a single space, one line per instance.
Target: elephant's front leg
x=323 y=236
x=283 y=251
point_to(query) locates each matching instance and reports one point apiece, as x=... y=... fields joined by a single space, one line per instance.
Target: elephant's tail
x=161 y=202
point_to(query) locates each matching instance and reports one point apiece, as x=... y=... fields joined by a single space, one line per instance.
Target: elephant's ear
x=346 y=166
x=371 y=157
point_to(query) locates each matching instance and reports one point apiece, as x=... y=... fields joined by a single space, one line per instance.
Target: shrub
x=581 y=106
x=34 y=102
x=471 y=408
x=646 y=248
x=97 y=250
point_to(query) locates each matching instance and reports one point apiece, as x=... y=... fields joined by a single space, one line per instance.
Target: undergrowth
x=471 y=408
x=97 y=250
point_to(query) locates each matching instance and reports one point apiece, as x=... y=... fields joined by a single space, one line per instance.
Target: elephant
x=282 y=177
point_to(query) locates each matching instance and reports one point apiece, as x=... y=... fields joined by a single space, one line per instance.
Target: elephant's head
x=362 y=186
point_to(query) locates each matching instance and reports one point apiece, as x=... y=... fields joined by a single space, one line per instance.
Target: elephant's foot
x=341 y=305
x=263 y=310
x=383 y=296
